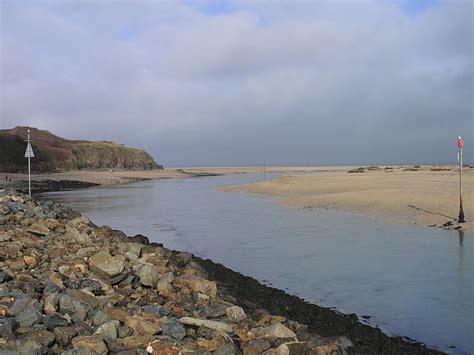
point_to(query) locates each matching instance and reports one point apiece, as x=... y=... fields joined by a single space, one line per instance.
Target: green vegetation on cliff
x=53 y=153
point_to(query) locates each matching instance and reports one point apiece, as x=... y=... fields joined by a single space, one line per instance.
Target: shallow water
x=413 y=281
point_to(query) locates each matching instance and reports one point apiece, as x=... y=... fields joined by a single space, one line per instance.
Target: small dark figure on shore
x=10 y=179
x=6 y=178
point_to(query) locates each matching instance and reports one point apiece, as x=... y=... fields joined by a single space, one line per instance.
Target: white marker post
x=29 y=154
x=461 y=212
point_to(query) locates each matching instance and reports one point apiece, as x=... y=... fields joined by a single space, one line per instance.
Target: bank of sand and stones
x=68 y=286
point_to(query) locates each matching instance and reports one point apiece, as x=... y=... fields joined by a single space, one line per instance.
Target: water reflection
x=460 y=250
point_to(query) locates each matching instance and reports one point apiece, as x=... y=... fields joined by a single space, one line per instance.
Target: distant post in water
x=29 y=154
x=461 y=212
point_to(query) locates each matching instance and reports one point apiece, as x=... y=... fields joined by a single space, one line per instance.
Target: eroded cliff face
x=53 y=153
x=97 y=155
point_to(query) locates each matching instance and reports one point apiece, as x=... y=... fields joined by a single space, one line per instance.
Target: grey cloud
x=275 y=82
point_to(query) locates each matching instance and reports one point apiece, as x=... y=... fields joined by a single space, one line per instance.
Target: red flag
x=460 y=142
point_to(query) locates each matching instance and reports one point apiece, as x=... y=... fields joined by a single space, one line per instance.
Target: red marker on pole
x=461 y=212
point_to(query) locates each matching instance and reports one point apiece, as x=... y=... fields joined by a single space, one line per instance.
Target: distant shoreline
x=75 y=179
x=426 y=195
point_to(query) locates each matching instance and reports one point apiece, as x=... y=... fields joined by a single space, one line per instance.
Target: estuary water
x=412 y=281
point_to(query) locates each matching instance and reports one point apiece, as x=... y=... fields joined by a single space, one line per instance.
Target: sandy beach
x=117 y=177
x=423 y=197
x=101 y=177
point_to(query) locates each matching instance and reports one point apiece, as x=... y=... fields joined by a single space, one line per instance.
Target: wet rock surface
x=69 y=286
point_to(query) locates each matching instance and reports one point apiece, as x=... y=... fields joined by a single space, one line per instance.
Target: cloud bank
x=237 y=83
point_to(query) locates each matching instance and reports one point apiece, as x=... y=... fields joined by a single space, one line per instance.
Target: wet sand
x=424 y=197
x=117 y=177
x=100 y=177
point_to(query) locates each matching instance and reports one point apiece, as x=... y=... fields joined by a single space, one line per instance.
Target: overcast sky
x=236 y=83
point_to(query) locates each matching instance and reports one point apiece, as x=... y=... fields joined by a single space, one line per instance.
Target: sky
x=239 y=83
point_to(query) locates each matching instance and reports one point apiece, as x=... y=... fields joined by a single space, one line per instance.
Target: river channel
x=411 y=280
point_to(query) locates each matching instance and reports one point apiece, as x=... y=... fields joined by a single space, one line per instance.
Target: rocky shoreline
x=68 y=286
x=39 y=186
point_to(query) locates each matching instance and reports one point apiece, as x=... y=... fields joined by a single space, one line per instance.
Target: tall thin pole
x=461 y=212
x=29 y=167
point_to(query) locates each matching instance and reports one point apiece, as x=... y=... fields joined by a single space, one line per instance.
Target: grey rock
x=29 y=317
x=20 y=303
x=277 y=330
x=183 y=258
x=108 y=330
x=4 y=277
x=215 y=310
x=91 y=285
x=42 y=336
x=206 y=333
x=227 y=349
x=98 y=318
x=293 y=348
x=124 y=331
x=257 y=346
x=14 y=207
x=68 y=305
x=147 y=273
x=54 y=320
x=28 y=346
x=152 y=309
x=50 y=287
x=64 y=335
x=219 y=326
x=106 y=264
x=7 y=327
x=51 y=303
x=174 y=329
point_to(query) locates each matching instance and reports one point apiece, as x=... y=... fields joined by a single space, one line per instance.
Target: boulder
x=41 y=336
x=147 y=273
x=136 y=341
x=174 y=329
x=219 y=326
x=38 y=228
x=292 y=348
x=214 y=310
x=144 y=324
x=211 y=345
x=64 y=335
x=256 y=346
x=54 y=320
x=73 y=307
x=110 y=269
x=90 y=343
x=199 y=284
x=109 y=330
x=51 y=303
x=236 y=313
x=106 y=264
x=274 y=331
x=162 y=347
x=164 y=286
x=29 y=317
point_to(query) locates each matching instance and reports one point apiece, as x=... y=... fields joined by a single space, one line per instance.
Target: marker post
x=29 y=154
x=461 y=212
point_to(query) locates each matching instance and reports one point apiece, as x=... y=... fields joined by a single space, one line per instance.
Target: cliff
x=53 y=153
